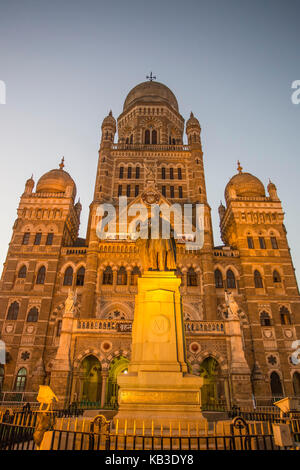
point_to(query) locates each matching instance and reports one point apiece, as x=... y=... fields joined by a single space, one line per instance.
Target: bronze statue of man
x=157 y=254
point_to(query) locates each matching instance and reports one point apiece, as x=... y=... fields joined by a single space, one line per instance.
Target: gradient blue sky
x=67 y=63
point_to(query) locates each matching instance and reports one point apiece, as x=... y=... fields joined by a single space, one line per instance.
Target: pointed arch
x=230 y=279
x=22 y=272
x=258 y=282
x=13 y=311
x=41 y=275
x=68 y=276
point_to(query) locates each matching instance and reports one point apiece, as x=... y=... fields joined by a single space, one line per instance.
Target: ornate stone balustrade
x=74 y=250
x=199 y=327
x=120 y=326
x=157 y=147
x=125 y=326
x=229 y=253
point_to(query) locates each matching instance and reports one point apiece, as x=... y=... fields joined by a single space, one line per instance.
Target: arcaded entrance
x=211 y=391
x=118 y=366
x=91 y=379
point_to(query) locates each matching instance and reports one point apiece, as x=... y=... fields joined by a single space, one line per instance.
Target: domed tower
x=29 y=185
x=193 y=130
x=150 y=160
x=108 y=129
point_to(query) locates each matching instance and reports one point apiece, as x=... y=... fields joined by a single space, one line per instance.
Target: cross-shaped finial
x=239 y=168
x=151 y=77
x=61 y=165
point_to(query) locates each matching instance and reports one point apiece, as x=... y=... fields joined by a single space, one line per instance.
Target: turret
x=29 y=185
x=272 y=190
x=193 y=130
x=108 y=129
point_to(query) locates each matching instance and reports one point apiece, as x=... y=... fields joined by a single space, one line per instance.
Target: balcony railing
x=125 y=326
x=104 y=325
x=198 y=327
x=156 y=147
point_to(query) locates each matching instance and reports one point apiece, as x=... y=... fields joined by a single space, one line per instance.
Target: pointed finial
x=239 y=167
x=192 y=114
x=110 y=113
x=32 y=176
x=61 y=165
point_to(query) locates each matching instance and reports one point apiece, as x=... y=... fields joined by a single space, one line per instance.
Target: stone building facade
x=241 y=359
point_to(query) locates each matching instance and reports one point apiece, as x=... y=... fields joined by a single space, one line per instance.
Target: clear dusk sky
x=232 y=62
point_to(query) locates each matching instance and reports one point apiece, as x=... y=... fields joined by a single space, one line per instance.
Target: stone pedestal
x=61 y=369
x=239 y=368
x=157 y=386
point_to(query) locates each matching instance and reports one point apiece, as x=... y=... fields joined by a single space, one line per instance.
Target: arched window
x=40 y=278
x=1 y=377
x=20 y=383
x=131 y=139
x=191 y=277
x=265 y=319
x=13 y=311
x=33 y=315
x=147 y=137
x=276 y=386
x=171 y=173
x=154 y=137
x=80 y=276
x=163 y=173
x=230 y=280
x=121 y=172
x=122 y=276
x=135 y=274
x=218 y=279
x=107 y=276
x=285 y=316
x=137 y=172
x=276 y=276
x=68 y=277
x=296 y=384
x=129 y=172
x=22 y=272
x=258 y=280
x=179 y=174
x=58 y=327
x=26 y=237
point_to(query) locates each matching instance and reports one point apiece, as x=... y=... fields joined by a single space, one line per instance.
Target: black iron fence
x=236 y=435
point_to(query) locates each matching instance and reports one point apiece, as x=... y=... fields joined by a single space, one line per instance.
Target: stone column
x=115 y=274
x=128 y=271
x=88 y=296
x=184 y=274
x=104 y=376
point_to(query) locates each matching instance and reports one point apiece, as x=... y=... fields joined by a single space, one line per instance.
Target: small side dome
x=192 y=122
x=109 y=121
x=56 y=181
x=244 y=185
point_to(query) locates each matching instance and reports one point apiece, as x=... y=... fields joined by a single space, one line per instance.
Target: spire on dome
x=61 y=165
x=239 y=167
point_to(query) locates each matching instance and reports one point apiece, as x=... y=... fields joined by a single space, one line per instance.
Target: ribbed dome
x=55 y=181
x=245 y=185
x=150 y=92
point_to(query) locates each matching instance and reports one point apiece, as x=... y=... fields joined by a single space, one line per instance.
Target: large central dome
x=150 y=92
